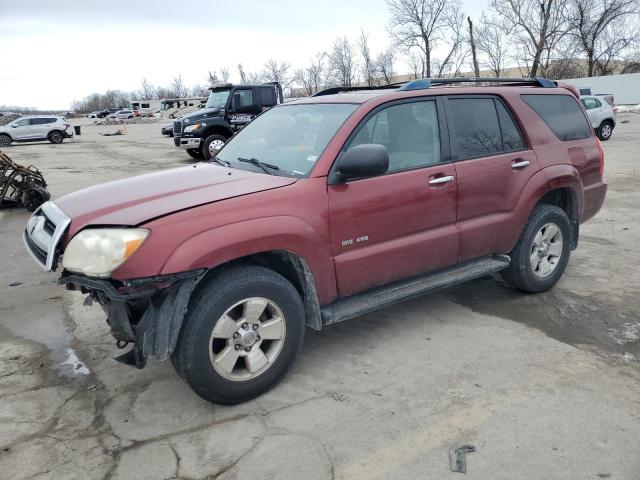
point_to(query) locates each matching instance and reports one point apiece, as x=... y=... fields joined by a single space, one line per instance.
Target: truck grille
x=43 y=234
x=177 y=128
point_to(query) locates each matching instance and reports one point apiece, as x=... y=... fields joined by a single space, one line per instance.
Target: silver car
x=35 y=128
x=601 y=114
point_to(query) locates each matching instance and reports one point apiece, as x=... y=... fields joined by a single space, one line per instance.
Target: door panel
x=22 y=131
x=489 y=190
x=391 y=227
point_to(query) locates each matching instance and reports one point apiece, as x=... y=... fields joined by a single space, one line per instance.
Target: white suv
x=35 y=128
x=601 y=115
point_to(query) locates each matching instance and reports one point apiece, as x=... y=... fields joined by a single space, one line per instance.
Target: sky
x=55 y=51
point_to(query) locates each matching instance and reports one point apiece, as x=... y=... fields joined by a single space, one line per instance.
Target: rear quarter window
x=562 y=114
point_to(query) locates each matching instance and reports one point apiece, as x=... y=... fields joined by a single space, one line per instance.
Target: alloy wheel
x=247 y=339
x=546 y=250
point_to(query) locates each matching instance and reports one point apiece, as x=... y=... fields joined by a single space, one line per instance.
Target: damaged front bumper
x=147 y=312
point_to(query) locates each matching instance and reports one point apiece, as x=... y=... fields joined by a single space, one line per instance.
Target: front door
x=403 y=223
x=493 y=165
x=21 y=130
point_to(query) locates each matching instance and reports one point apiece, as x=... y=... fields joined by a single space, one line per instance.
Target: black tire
x=191 y=357
x=195 y=153
x=32 y=199
x=56 y=137
x=5 y=140
x=605 y=130
x=208 y=141
x=520 y=273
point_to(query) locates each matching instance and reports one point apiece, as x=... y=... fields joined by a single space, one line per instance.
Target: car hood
x=202 y=114
x=136 y=200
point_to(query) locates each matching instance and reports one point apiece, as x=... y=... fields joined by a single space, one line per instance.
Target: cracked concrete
x=545 y=386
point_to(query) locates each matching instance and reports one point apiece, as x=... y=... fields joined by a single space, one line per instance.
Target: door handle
x=441 y=180
x=520 y=164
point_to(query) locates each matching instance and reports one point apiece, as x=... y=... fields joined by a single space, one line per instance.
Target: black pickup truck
x=229 y=108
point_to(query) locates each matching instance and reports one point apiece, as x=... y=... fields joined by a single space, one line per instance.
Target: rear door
x=400 y=224
x=40 y=127
x=493 y=164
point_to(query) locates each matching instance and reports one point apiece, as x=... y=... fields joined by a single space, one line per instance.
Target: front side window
x=217 y=99
x=408 y=130
x=562 y=114
x=22 y=123
x=289 y=137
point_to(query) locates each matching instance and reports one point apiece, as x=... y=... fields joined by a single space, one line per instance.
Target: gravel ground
x=544 y=386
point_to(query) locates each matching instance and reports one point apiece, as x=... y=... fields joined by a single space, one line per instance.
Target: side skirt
x=380 y=297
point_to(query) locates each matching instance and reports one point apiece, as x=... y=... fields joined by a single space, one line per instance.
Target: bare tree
x=179 y=86
x=147 y=90
x=384 y=66
x=472 y=43
x=224 y=74
x=342 y=63
x=312 y=78
x=455 y=39
x=247 y=77
x=368 y=67
x=416 y=64
x=275 y=71
x=599 y=28
x=418 y=24
x=536 y=25
x=492 y=44
x=243 y=77
x=212 y=78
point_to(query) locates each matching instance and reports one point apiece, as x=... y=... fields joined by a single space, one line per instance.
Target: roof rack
x=334 y=90
x=424 y=83
x=427 y=82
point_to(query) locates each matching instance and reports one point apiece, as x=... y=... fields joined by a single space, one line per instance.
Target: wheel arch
x=567 y=199
x=217 y=129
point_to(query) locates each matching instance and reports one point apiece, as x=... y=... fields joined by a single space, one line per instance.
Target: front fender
x=220 y=245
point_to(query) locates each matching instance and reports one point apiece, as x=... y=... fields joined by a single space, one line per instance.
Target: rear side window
x=267 y=96
x=511 y=137
x=476 y=130
x=562 y=114
x=591 y=103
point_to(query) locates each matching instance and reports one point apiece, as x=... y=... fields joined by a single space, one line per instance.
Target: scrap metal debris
x=457 y=461
x=21 y=185
x=120 y=131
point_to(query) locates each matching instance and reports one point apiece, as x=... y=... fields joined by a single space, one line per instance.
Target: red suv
x=323 y=209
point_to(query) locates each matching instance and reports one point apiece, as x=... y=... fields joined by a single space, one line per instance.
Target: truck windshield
x=218 y=99
x=290 y=137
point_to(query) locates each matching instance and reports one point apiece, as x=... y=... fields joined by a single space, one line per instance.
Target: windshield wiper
x=224 y=163
x=264 y=166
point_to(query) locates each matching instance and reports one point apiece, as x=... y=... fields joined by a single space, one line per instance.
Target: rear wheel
x=242 y=333
x=605 y=130
x=212 y=145
x=542 y=253
x=5 y=140
x=56 y=137
x=195 y=153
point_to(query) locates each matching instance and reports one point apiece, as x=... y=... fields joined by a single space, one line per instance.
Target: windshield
x=291 y=137
x=218 y=99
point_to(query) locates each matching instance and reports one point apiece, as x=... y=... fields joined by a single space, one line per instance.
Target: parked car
x=167 y=130
x=92 y=115
x=228 y=109
x=122 y=114
x=601 y=115
x=324 y=209
x=35 y=128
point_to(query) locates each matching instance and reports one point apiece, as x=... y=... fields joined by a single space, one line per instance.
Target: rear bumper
x=593 y=199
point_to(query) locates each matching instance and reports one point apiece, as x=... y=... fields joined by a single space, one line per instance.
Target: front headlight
x=192 y=128
x=98 y=252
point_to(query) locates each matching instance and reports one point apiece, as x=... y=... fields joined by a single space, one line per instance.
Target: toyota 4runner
x=324 y=209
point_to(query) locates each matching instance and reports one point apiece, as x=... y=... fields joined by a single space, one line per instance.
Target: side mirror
x=366 y=160
x=15 y=125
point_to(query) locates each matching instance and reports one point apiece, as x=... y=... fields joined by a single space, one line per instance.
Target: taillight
x=601 y=155
x=66 y=125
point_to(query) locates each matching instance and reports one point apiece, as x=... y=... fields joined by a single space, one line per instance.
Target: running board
x=380 y=297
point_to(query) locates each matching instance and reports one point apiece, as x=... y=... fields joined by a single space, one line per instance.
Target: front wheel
x=195 y=153
x=5 y=140
x=243 y=331
x=542 y=252
x=212 y=145
x=605 y=130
